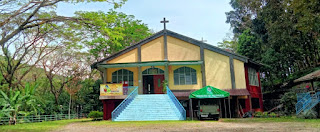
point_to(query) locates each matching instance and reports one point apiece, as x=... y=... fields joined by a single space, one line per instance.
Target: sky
x=193 y=18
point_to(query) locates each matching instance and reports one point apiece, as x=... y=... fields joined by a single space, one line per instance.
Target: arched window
x=122 y=75
x=185 y=76
x=152 y=71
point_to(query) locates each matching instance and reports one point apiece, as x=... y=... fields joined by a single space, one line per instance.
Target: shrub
x=272 y=114
x=289 y=101
x=265 y=114
x=310 y=114
x=258 y=114
x=96 y=115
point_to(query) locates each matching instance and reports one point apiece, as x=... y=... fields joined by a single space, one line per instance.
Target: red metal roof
x=237 y=92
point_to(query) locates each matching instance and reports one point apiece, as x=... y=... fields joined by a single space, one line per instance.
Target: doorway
x=152 y=84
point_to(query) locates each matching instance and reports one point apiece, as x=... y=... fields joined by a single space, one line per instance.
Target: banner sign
x=111 y=89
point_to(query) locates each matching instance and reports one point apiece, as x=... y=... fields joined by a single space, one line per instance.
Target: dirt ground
x=202 y=126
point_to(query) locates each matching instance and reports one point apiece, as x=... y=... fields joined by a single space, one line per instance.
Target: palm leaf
x=4 y=95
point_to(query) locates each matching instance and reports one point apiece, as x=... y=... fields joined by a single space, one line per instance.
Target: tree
x=107 y=33
x=31 y=14
x=249 y=45
x=61 y=67
x=244 y=11
x=229 y=43
x=281 y=34
x=72 y=88
x=25 y=28
x=21 y=56
x=15 y=103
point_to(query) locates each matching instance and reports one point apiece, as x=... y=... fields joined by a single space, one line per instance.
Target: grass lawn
x=311 y=122
x=88 y=125
x=40 y=126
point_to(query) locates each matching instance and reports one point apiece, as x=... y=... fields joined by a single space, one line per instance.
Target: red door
x=157 y=81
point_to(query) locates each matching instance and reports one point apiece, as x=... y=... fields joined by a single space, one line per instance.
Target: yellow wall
x=239 y=74
x=217 y=70
x=179 y=50
x=153 y=50
x=133 y=69
x=185 y=87
x=131 y=56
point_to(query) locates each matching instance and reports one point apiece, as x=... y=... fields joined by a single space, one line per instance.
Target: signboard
x=111 y=89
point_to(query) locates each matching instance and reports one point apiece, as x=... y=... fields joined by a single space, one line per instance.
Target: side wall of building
x=255 y=92
x=179 y=50
x=217 y=68
x=131 y=56
x=239 y=74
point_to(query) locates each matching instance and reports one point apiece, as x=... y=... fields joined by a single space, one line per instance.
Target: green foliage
x=40 y=126
x=88 y=96
x=283 y=35
x=229 y=45
x=19 y=103
x=258 y=114
x=265 y=114
x=164 y=86
x=310 y=114
x=289 y=100
x=272 y=114
x=96 y=115
x=249 y=45
x=109 y=32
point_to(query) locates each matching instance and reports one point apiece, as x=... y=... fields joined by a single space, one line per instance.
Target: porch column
x=203 y=67
x=233 y=82
x=140 y=85
x=140 y=89
x=104 y=72
x=166 y=73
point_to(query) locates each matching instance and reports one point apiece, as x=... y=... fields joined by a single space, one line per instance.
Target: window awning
x=209 y=92
x=152 y=63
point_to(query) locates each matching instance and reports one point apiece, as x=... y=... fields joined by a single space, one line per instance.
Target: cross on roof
x=164 y=22
x=202 y=40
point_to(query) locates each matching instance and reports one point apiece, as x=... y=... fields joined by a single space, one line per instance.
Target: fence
x=41 y=118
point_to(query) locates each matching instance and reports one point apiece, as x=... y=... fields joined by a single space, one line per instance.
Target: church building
x=184 y=65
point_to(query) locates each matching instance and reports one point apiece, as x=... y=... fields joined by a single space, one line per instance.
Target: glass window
x=176 y=79
x=185 y=76
x=122 y=75
x=152 y=71
x=253 y=77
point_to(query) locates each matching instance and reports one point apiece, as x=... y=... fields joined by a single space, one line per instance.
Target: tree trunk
x=69 y=106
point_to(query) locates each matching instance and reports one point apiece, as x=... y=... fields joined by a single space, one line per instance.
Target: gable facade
x=213 y=66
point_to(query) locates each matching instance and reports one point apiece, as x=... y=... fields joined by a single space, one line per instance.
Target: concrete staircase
x=150 y=107
x=306 y=101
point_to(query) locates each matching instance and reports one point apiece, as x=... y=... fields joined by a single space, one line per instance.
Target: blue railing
x=302 y=99
x=116 y=112
x=307 y=102
x=177 y=104
x=128 y=89
x=312 y=101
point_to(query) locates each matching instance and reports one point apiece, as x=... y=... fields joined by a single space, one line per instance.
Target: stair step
x=150 y=108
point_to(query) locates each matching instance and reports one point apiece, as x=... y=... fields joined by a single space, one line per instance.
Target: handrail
x=312 y=101
x=301 y=103
x=177 y=103
x=116 y=112
x=307 y=102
